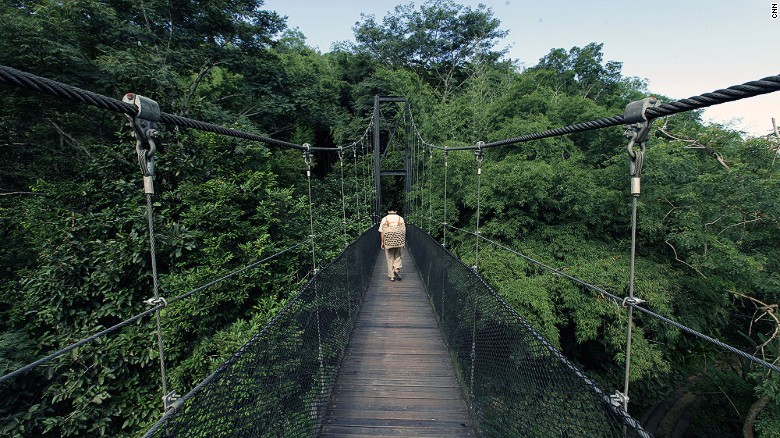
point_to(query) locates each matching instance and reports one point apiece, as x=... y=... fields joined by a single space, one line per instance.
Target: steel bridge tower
x=379 y=155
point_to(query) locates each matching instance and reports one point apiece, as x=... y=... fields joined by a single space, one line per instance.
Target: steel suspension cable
x=619 y=301
x=444 y=221
x=160 y=345
x=30 y=82
x=354 y=146
x=238 y=271
x=372 y=194
x=637 y=132
x=630 y=322
x=416 y=180
x=411 y=196
x=366 y=180
x=308 y=160
x=343 y=199
x=161 y=305
x=27 y=368
x=144 y=130
x=430 y=190
x=357 y=188
x=479 y=157
x=766 y=85
x=423 y=179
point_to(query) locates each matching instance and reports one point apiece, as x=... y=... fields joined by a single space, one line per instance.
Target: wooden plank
x=397 y=378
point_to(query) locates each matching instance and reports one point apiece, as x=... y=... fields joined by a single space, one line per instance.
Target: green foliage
x=75 y=253
x=436 y=42
x=702 y=243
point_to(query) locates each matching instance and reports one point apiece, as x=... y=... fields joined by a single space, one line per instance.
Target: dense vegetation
x=75 y=254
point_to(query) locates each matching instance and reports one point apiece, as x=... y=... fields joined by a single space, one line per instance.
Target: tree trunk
x=755 y=409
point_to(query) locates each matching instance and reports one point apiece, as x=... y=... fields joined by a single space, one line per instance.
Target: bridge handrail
x=625 y=302
x=315 y=303
x=456 y=301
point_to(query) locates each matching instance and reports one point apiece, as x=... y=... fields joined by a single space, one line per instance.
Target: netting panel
x=516 y=383
x=278 y=384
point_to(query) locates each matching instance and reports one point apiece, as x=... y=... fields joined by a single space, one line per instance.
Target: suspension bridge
x=439 y=353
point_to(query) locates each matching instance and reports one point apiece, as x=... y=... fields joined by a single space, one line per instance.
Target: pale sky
x=682 y=48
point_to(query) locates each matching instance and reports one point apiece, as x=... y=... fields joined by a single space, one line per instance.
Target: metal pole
x=377 y=167
x=408 y=160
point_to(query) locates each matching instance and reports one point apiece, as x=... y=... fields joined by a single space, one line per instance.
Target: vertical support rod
x=377 y=167
x=343 y=199
x=473 y=353
x=408 y=158
x=444 y=222
x=631 y=296
x=155 y=283
x=357 y=184
x=308 y=160
x=637 y=130
x=479 y=157
x=422 y=184
x=430 y=190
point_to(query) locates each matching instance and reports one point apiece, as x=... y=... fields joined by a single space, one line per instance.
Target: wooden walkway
x=397 y=378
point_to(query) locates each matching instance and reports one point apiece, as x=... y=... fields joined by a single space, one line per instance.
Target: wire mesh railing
x=516 y=382
x=278 y=384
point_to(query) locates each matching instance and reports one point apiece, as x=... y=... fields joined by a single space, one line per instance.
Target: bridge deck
x=397 y=378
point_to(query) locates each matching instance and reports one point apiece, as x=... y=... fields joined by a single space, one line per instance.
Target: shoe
x=392 y=278
x=398 y=276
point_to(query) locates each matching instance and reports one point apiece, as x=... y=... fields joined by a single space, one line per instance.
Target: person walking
x=392 y=237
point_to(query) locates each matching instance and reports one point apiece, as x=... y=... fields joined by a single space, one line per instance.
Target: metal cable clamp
x=171 y=400
x=307 y=158
x=157 y=301
x=145 y=131
x=637 y=130
x=479 y=156
x=632 y=301
x=618 y=399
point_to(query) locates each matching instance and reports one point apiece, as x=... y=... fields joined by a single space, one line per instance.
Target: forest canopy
x=75 y=248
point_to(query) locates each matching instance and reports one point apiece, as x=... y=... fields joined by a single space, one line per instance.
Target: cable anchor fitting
x=479 y=155
x=172 y=400
x=618 y=399
x=637 y=130
x=157 y=301
x=632 y=301
x=144 y=125
x=307 y=158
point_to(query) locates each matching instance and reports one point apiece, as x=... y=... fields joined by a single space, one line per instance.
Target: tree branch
x=65 y=136
x=769 y=310
x=681 y=261
x=204 y=70
x=743 y=223
x=674 y=207
x=693 y=144
x=21 y=193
